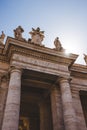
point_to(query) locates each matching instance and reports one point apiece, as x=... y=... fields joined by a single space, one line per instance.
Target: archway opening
x=35 y=108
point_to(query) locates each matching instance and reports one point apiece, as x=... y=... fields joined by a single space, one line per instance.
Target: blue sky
x=66 y=19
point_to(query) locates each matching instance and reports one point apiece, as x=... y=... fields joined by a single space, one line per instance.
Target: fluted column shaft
x=68 y=110
x=11 y=116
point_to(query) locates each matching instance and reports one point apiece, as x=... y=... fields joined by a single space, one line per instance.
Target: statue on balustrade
x=18 y=33
x=37 y=36
x=2 y=37
x=58 y=45
x=85 y=58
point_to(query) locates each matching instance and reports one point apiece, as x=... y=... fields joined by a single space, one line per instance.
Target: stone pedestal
x=56 y=109
x=68 y=110
x=12 y=109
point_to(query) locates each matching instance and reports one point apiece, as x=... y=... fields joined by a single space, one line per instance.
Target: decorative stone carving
x=85 y=58
x=2 y=36
x=57 y=44
x=37 y=36
x=18 y=33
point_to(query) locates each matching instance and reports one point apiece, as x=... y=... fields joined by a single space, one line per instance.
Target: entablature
x=24 y=48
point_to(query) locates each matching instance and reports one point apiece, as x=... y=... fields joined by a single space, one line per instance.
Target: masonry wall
x=77 y=85
x=4 y=81
x=3 y=96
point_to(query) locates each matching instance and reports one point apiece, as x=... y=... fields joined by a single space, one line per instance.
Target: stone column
x=12 y=109
x=68 y=110
x=56 y=107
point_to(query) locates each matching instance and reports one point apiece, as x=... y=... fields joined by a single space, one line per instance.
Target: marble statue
x=2 y=36
x=18 y=33
x=37 y=36
x=85 y=58
x=57 y=44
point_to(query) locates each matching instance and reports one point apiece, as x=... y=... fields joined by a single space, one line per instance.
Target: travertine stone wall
x=57 y=113
x=12 y=109
x=3 y=95
x=78 y=84
x=78 y=110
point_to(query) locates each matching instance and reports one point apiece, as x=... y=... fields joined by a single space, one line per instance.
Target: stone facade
x=40 y=88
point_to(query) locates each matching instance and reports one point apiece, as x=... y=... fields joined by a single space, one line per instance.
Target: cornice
x=79 y=71
x=79 y=68
x=38 y=48
x=24 y=48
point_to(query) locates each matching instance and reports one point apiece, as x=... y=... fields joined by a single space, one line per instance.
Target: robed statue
x=2 y=37
x=58 y=45
x=85 y=58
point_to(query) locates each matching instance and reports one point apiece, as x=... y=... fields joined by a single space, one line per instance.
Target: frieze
x=4 y=58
